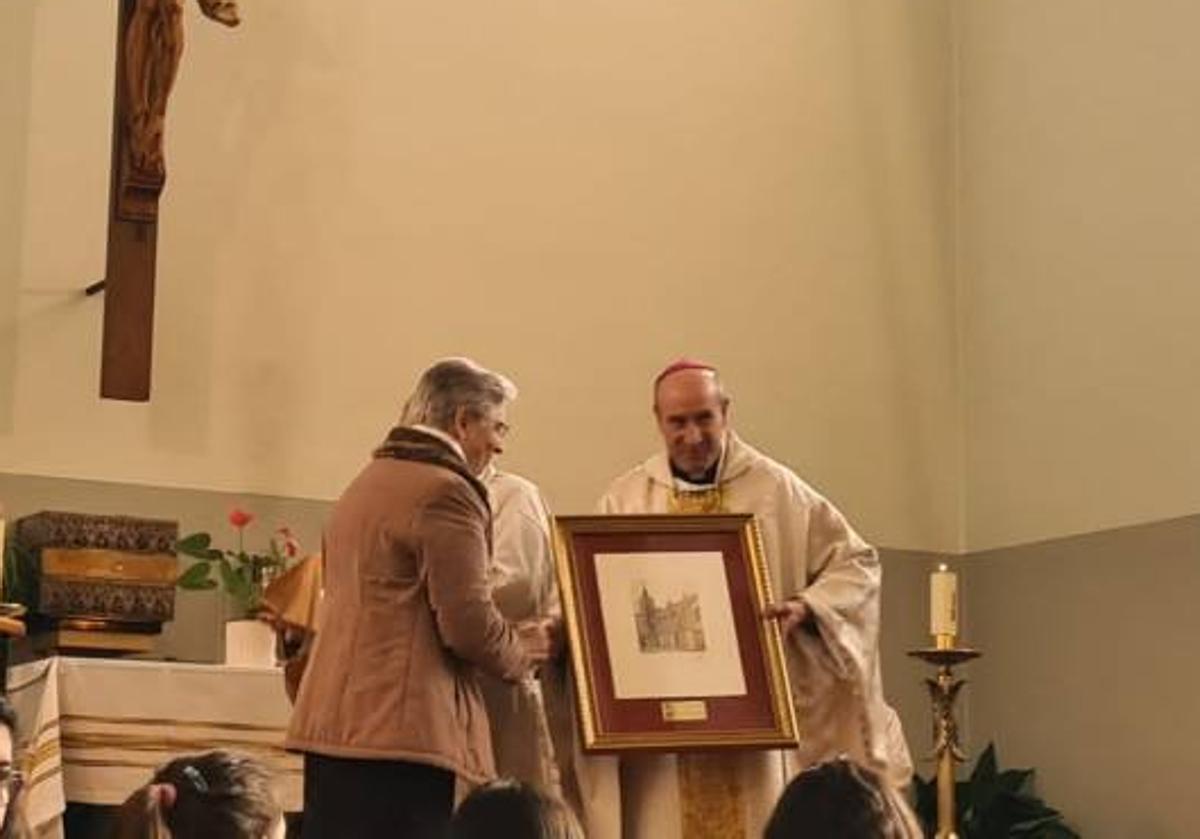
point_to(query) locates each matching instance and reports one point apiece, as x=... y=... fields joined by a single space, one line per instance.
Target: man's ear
x=461 y=418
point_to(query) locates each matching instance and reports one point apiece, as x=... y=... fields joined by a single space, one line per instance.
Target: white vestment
x=813 y=554
x=524 y=587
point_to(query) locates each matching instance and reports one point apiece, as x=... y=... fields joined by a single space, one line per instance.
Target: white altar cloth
x=95 y=729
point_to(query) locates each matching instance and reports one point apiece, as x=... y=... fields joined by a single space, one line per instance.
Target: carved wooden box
x=99 y=572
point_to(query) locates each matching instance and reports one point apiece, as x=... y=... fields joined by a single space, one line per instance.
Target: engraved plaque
x=685 y=710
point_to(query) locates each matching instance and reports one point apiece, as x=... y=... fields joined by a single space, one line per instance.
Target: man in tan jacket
x=389 y=712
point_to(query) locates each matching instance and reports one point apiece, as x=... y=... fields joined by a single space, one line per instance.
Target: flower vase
x=249 y=643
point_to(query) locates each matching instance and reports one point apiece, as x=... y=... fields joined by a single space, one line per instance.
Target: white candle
x=943 y=602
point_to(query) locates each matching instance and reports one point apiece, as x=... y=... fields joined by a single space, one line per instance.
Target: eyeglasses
x=11 y=780
x=496 y=426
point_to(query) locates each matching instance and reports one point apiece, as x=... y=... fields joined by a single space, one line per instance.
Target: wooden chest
x=98 y=572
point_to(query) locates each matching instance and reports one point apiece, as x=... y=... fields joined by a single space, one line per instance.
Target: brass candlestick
x=943 y=690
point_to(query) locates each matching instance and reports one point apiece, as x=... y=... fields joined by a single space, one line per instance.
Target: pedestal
x=943 y=690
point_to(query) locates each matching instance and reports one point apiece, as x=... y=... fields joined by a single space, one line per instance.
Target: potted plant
x=244 y=576
x=993 y=804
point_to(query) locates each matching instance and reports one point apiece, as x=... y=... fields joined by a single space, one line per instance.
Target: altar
x=93 y=730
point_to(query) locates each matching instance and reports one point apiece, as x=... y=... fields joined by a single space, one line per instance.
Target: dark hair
x=14 y=818
x=841 y=800
x=514 y=810
x=216 y=795
x=8 y=715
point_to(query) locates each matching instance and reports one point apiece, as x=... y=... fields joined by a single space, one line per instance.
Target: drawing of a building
x=676 y=626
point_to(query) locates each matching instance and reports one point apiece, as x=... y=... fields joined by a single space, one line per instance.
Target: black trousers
x=347 y=798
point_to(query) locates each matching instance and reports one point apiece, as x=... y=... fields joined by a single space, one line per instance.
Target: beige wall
x=1088 y=673
x=16 y=48
x=1079 y=190
x=852 y=207
x=574 y=193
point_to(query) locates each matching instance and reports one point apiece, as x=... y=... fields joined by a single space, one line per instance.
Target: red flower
x=239 y=518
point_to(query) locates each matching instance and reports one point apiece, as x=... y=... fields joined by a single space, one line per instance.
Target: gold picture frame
x=670 y=649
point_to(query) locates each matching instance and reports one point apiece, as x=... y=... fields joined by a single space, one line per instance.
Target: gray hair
x=451 y=384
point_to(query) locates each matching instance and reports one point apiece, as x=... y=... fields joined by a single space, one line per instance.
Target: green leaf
x=195 y=544
x=925 y=802
x=197 y=577
x=1014 y=780
x=237 y=584
x=234 y=584
x=985 y=768
x=1027 y=808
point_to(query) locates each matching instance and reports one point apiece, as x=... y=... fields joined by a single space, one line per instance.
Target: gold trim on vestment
x=711 y=801
x=696 y=501
x=710 y=791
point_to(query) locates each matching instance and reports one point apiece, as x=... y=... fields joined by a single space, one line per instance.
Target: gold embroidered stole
x=710 y=792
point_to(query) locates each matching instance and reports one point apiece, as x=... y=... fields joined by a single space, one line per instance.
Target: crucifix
x=149 y=46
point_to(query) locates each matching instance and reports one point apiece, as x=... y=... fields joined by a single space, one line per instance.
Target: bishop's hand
x=791 y=614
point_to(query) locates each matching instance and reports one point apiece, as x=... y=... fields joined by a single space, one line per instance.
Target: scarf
x=405 y=443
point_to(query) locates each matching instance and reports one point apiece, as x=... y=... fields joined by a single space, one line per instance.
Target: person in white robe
x=530 y=720
x=829 y=582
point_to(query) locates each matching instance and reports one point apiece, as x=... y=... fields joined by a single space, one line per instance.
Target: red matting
x=751 y=714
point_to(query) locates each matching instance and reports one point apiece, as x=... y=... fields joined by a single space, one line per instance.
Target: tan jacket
x=407 y=616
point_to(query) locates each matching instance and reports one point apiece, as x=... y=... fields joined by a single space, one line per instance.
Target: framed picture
x=670 y=649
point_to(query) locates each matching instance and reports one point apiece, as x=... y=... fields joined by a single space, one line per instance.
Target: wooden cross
x=149 y=46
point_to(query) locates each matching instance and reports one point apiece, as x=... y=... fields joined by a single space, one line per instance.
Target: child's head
x=841 y=800
x=513 y=810
x=216 y=795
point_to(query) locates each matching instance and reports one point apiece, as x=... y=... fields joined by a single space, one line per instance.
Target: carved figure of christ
x=149 y=48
